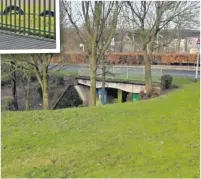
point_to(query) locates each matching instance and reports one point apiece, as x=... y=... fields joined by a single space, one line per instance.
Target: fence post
x=127 y=72
x=112 y=71
x=161 y=71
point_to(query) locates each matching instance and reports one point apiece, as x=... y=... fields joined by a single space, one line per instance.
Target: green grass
x=64 y=73
x=46 y=24
x=153 y=138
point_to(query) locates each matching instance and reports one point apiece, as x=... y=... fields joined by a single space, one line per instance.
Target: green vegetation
x=34 y=25
x=64 y=73
x=151 y=138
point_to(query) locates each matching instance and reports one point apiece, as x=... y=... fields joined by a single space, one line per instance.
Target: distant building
x=128 y=41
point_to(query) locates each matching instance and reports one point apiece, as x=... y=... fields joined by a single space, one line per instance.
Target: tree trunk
x=186 y=45
x=14 y=92
x=27 y=101
x=148 y=78
x=92 y=80
x=45 y=89
x=14 y=86
x=147 y=61
x=178 y=40
x=27 y=96
x=103 y=80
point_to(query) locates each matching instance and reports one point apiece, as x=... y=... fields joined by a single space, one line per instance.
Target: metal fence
x=29 y=17
x=137 y=73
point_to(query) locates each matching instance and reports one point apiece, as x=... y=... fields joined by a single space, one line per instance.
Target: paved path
x=11 y=41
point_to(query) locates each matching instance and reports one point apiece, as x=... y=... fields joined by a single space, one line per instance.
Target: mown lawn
x=156 y=138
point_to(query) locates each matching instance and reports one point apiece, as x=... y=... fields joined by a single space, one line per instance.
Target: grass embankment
x=153 y=138
x=34 y=25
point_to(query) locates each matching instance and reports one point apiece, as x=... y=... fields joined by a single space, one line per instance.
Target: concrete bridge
x=128 y=87
x=115 y=90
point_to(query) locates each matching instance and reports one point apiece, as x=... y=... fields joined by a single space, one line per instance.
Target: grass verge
x=157 y=138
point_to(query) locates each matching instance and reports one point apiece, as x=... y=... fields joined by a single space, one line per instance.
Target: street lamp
x=157 y=41
x=82 y=46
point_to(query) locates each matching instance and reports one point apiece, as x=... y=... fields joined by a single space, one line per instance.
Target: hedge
x=128 y=58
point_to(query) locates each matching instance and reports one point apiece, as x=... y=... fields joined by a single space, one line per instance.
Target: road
x=137 y=70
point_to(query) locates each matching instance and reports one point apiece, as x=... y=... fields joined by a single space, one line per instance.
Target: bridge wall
x=83 y=92
x=130 y=88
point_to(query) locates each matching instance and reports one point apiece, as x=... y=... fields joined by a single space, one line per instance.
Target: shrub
x=33 y=78
x=155 y=92
x=39 y=90
x=5 y=82
x=129 y=97
x=7 y=103
x=166 y=81
x=56 y=80
x=142 y=94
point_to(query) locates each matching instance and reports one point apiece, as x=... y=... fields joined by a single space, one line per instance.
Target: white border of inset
x=57 y=50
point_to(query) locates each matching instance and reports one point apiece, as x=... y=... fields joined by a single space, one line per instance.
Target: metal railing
x=29 y=17
x=136 y=73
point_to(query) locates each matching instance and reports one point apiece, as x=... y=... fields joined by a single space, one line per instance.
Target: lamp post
x=157 y=41
x=82 y=46
x=112 y=43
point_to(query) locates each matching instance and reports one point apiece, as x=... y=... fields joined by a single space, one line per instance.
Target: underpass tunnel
x=113 y=96
x=124 y=96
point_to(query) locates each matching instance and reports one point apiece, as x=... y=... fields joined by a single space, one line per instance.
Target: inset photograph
x=29 y=26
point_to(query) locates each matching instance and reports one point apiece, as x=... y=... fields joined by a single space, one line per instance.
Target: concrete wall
x=131 y=88
x=83 y=92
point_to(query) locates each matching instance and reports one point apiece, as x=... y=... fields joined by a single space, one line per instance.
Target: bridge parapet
x=128 y=87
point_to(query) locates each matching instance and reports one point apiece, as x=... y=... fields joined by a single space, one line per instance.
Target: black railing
x=29 y=17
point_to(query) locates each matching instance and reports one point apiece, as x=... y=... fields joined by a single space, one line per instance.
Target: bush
x=142 y=95
x=33 y=78
x=39 y=90
x=7 y=103
x=155 y=92
x=129 y=97
x=166 y=81
x=56 y=80
x=5 y=82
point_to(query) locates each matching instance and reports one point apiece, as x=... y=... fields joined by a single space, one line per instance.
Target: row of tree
x=20 y=69
x=98 y=20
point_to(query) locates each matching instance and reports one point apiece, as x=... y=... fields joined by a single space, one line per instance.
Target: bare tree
x=186 y=21
x=40 y=64
x=95 y=16
x=150 y=18
x=10 y=69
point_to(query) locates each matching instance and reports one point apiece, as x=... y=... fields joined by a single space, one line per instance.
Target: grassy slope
x=155 y=138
